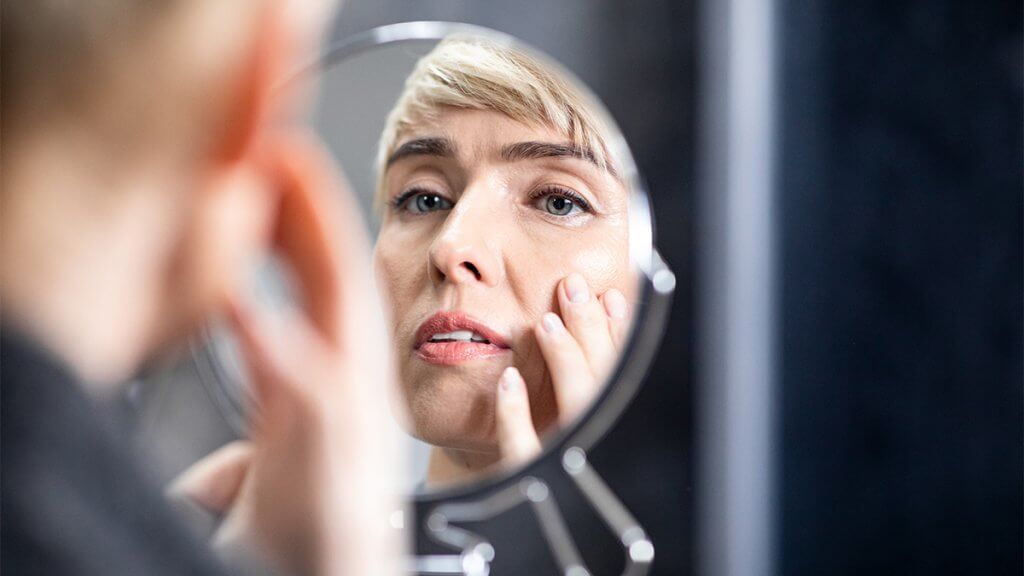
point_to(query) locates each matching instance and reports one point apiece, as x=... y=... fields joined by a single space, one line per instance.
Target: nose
x=465 y=249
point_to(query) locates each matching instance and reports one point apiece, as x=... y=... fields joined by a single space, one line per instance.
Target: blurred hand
x=313 y=488
x=215 y=481
x=580 y=349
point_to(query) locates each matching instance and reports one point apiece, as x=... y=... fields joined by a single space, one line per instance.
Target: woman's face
x=483 y=217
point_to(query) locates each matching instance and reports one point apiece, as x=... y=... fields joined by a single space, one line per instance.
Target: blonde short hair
x=475 y=73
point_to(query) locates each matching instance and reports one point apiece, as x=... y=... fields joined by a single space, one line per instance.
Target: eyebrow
x=444 y=148
x=537 y=150
x=423 y=147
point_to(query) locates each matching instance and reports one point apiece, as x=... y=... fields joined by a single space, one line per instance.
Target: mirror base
x=476 y=553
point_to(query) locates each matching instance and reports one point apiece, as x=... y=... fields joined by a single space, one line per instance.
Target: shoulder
x=73 y=500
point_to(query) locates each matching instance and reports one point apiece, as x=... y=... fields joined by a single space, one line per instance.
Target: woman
x=503 y=252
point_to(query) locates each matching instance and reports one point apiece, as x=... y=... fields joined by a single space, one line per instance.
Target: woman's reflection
x=503 y=251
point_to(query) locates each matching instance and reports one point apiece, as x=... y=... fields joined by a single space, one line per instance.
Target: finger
x=319 y=233
x=258 y=359
x=517 y=438
x=586 y=319
x=571 y=377
x=617 y=308
x=215 y=481
x=275 y=353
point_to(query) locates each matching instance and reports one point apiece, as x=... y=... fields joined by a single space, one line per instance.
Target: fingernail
x=576 y=288
x=615 y=303
x=509 y=379
x=552 y=323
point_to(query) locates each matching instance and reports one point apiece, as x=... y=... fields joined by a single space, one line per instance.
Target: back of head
x=127 y=76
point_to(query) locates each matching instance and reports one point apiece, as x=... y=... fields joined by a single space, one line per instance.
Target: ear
x=258 y=97
x=232 y=214
x=233 y=204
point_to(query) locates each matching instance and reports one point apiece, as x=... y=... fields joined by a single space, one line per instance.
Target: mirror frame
x=657 y=282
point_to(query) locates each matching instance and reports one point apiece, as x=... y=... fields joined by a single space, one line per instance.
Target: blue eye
x=560 y=202
x=558 y=205
x=428 y=203
x=422 y=202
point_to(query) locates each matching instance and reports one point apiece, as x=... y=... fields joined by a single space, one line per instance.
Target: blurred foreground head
x=137 y=138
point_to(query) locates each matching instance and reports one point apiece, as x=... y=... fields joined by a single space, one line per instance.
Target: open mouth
x=449 y=338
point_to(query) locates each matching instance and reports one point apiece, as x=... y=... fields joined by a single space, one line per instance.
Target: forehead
x=473 y=137
x=477 y=138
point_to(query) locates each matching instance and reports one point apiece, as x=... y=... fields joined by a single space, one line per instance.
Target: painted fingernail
x=615 y=303
x=576 y=288
x=552 y=323
x=509 y=379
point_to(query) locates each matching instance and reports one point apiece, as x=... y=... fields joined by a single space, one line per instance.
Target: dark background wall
x=901 y=380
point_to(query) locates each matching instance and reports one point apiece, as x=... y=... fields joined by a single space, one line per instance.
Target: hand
x=580 y=352
x=312 y=488
x=215 y=481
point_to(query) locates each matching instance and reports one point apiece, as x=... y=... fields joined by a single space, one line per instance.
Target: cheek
x=401 y=271
x=604 y=263
x=535 y=274
x=393 y=260
x=604 y=267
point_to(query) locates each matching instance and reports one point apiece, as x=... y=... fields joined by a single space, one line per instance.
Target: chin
x=454 y=414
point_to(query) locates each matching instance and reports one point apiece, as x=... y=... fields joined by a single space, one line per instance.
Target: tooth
x=459 y=335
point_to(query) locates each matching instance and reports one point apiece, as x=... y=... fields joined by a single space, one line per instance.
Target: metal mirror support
x=474 y=554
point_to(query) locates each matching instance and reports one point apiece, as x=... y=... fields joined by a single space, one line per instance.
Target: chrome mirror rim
x=657 y=282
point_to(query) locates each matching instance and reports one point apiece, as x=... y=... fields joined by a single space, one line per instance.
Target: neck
x=79 y=253
x=451 y=466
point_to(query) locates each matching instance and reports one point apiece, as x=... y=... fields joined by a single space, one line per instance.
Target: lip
x=451 y=353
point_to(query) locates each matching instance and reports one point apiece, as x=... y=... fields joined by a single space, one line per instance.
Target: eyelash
x=402 y=198
x=399 y=201
x=564 y=192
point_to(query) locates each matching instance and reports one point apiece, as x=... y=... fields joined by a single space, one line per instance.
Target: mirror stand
x=476 y=553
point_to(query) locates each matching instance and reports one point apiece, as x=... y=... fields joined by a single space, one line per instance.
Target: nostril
x=472 y=268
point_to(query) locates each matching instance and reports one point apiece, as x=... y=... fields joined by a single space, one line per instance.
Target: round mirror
x=510 y=230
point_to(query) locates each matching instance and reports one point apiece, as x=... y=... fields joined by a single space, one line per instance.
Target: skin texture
x=494 y=251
